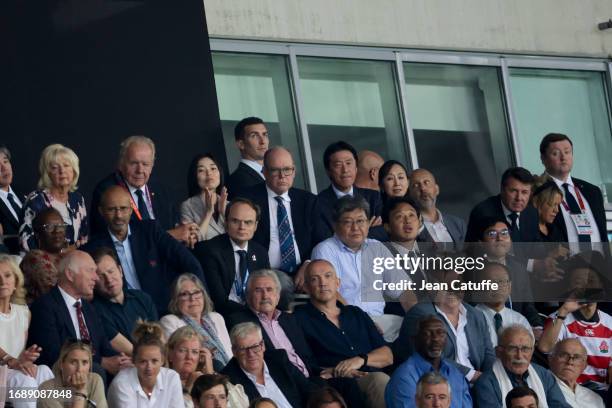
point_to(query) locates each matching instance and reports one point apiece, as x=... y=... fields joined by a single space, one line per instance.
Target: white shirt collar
x=114 y=238
x=253 y=378
x=506 y=211
x=273 y=195
x=560 y=183
x=340 y=194
x=235 y=246
x=70 y=301
x=4 y=194
x=254 y=165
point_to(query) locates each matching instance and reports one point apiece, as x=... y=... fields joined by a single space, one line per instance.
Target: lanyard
x=580 y=202
x=123 y=184
x=241 y=287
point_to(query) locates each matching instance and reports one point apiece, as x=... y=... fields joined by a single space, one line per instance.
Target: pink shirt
x=280 y=340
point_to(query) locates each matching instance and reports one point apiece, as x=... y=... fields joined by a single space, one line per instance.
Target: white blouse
x=126 y=392
x=13 y=329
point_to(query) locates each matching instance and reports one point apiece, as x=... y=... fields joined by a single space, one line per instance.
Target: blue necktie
x=285 y=238
x=142 y=206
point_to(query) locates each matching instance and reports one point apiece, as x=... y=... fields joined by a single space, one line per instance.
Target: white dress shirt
x=4 y=197
x=581 y=398
x=438 y=230
x=126 y=391
x=145 y=196
x=340 y=194
x=572 y=233
x=274 y=253
x=463 y=348
x=233 y=295
x=70 y=301
x=255 y=166
x=269 y=389
x=509 y=317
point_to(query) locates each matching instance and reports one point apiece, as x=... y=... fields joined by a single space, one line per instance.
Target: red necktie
x=81 y=319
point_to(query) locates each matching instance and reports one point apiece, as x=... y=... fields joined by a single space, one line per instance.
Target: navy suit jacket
x=292 y=383
x=162 y=208
x=593 y=196
x=325 y=204
x=159 y=259
x=243 y=177
x=303 y=211
x=51 y=326
x=10 y=224
x=481 y=351
x=216 y=256
x=492 y=207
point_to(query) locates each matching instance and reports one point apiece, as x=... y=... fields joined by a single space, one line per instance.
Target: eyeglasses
x=195 y=295
x=361 y=222
x=501 y=282
x=567 y=357
x=514 y=349
x=285 y=171
x=504 y=233
x=117 y=209
x=54 y=227
x=256 y=348
x=236 y=221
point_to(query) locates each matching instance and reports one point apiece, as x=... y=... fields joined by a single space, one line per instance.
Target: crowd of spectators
x=255 y=293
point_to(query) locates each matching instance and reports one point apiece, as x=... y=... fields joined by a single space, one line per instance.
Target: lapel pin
x=253 y=258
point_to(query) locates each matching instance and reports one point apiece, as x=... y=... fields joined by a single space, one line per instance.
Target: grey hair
x=176 y=289
x=557 y=346
x=241 y=330
x=131 y=140
x=264 y=273
x=350 y=203
x=507 y=330
x=5 y=151
x=431 y=378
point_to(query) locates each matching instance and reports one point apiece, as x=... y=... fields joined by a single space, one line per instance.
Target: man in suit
x=64 y=313
x=512 y=204
x=252 y=140
x=148 y=199
x=582 y=217
x=367 y=170
x=228 y=259
x=286 y=231
x=11 y=213
x=150 y=258
x=340 y=160
x=438 y=226
x=265 y=373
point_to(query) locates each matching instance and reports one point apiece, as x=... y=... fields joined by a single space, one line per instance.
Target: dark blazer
x=159 y=259
x=243 y=177
x=162 y=207
x=521 y=289
x=51 y=326
x=216 y=256
x=492 y=207
x=482 y=355
x=10 y=224
x=456 y=228
x=290 y=327
x=303 y=207
x=325 y=205
x=593 y=196
x=289 y=379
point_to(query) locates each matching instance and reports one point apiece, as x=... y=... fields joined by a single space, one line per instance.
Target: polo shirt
x=330 y=344
x=121 y=318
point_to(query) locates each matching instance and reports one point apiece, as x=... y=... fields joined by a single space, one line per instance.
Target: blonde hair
x=18 y=296
x=53 y=154
x=181 y=334
x=67 y=348
x=148 y=334
x=176 y=289
x=545 y=191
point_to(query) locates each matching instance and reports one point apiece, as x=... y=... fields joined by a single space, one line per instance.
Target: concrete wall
x=558 y=27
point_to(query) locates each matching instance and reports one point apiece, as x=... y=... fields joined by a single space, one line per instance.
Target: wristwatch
x=365 y=359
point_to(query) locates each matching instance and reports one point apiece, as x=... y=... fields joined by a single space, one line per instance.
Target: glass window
x=569 y=102
x=354 y=101
x=459 y=123
x=256 y=85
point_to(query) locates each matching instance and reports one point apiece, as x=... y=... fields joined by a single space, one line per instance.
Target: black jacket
x=216 y=257
x=243 y=177
x=10 y=224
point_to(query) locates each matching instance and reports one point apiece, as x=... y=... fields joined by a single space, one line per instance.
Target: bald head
x=321 y=282
x=279 y=169
x=77 y=274
x=369 y=163
x=424 y=189
x=116 y=209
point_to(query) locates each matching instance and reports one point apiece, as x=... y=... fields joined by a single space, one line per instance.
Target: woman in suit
x=393 y=180
x=59 y=175
x=207 y=197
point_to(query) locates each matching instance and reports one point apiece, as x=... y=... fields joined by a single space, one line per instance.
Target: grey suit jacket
x=456 y=228
x=192 y=210
x=481 y=356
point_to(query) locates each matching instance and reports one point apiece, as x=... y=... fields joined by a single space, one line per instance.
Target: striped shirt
x=596 y=337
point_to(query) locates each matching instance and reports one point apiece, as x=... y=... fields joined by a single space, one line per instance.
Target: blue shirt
x=488 y=394
x=121 y=318
x=330 y=345
x=124 y=252
x=401 y=389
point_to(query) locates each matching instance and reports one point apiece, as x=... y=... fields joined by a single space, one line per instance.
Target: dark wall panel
x=88 y=73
